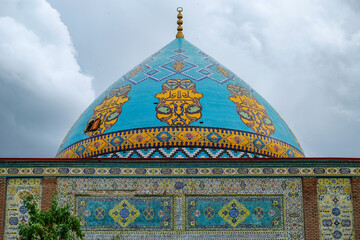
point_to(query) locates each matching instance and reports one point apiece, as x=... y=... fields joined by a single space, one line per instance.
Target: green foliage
x=55 y=223
x=117 y=237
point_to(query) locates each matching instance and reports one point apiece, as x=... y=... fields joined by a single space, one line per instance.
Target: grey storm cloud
x=42 y=88
x=302 y=56
x=305 y=61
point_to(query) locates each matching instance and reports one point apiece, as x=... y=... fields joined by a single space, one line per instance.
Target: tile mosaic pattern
x=181 y=152
x=178 y=61
x=203 y=208
x=179 y=86
x=179 y=103
x=17 y=190
x=335 y=208
x=256 y=213
x=108 y=111
x=180 y=171
x=251 y=112
x=179 y=140
x=147 y=213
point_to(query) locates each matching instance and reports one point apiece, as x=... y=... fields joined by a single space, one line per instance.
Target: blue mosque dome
x=180 y=103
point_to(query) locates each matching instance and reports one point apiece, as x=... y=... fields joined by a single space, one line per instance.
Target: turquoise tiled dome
x=180 y=103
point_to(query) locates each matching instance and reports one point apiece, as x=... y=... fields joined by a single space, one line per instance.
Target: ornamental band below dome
x=150 y=142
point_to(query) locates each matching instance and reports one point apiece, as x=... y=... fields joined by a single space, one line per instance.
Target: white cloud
x=40 y=79
x=303 y=57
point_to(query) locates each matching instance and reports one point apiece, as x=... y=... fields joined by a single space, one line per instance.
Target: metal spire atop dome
x=179 y=22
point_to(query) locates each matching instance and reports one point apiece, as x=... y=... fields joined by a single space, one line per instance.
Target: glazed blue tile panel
x=235 y=213
x=125 y=213
x=217 y=110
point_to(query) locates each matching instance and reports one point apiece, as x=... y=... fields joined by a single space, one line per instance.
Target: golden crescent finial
x=179 y=22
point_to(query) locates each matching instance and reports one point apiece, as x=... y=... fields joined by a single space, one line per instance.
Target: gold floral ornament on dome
x=251 y=112
x=178 y=66
x=107 y=112
x=179 y=103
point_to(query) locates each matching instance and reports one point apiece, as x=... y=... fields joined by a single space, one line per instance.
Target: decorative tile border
x=335 y=208
x=283 y=194
x=180 y=172
x=181 y=152
x=180 y=137
x=17 y=190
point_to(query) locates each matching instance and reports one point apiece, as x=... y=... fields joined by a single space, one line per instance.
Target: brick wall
x=2 y=205
x=49 y=187
x=311 y=212
x=355 y=182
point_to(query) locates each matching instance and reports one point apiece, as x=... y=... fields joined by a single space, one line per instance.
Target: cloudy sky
x=56 y=56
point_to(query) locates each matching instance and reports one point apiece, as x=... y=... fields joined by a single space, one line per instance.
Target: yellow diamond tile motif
x=140 y=138
x=276 y=148
x=238 y=140
x=97 y=145
x=69 y=154
x=234 y=213
x=124 y=213
x=188 y=136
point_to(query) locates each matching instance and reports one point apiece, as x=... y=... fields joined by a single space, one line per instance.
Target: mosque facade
x=181 y=148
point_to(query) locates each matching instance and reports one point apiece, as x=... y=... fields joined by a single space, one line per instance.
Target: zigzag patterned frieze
x=180 y=152
x=181 y=137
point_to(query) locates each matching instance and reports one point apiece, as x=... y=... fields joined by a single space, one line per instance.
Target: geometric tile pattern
x=202 y=208
x=232 y=212
x=150 y=138
x=206 y=68
x=181 y=152
x=335 y=208
x=17 y=190
x=205 y=171
x=126 y=213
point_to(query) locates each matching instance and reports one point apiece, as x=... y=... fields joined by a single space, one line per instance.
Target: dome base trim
x=181 y=152
x=188 y=137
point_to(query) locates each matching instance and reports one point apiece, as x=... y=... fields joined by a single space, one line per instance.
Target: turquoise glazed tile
x=179 y=86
